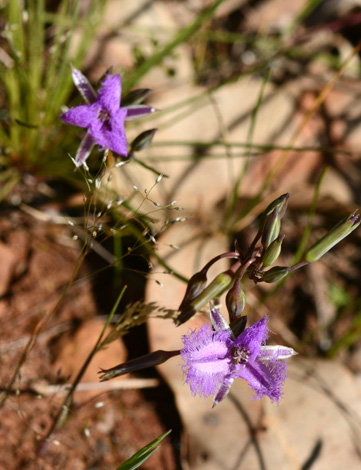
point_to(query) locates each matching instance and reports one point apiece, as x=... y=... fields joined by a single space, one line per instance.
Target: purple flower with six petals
x=214 y=358
x=102 y=116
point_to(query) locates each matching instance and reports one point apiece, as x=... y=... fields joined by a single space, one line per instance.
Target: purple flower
x=102 y=116
x=214 y=358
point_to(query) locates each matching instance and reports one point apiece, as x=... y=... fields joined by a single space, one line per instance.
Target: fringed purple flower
x=102 y=116
x=214 y=358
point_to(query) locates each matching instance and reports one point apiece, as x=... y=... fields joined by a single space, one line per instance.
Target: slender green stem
x=150 y=168
x=229 y=254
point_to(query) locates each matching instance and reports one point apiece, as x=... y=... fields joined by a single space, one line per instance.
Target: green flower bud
x=142 y=141
x=334 y=236
x=219 y=284
x=271 y=229
x=275 y=274
x=281 y=204
x=272 y=252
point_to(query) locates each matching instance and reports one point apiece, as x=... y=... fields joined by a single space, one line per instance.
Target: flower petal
x=205 y=354
x=202 y=384
x=264 y=379
x=109 y=94
x=219 y=322
x=253 y=337
x=84 y=150
x=207 y=349
x=275 y=353
x=223 y=390
x=111 y=134
x=81 y=116
x=137 y=111
x=83 y=85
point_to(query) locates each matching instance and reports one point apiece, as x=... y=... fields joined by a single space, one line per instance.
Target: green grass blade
x=307 y=231
x=305 y=11
x=12 y=179
x=57 y=78
x=35 y=60
x=14 y=31
x=182 y=36
x=59 y=81
x=346 y=340
x=262 y=147
x=242 y=173
x=143 y=454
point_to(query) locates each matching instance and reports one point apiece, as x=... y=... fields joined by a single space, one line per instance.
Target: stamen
x=240 y=355
x=103 y=116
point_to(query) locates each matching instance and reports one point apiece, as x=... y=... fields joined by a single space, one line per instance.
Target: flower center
x=104 y=118
x=240 y=355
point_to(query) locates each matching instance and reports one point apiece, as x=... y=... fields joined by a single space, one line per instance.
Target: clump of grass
x=37 y=47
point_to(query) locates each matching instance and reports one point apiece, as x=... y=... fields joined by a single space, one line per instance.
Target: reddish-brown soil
x=101 y=431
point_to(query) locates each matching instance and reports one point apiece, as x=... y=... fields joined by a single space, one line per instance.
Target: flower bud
x=281 y=204
x=334 y=236
x=235 y=301
x=272 y=252
x=143 y=140
x=135 y=96
x=238 y=325
x=219 y=284
x=275 y=274
x=271 y=229
x=196 y=285
x=149 y=360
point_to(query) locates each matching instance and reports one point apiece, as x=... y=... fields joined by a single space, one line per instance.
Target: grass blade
x=183 y=35
x=143 y=454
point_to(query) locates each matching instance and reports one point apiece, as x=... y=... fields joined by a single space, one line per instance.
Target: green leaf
x=143 y=454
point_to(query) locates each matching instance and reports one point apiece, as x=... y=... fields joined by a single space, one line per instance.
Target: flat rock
x=7 y=267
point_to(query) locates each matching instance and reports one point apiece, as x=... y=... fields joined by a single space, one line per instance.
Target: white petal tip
x=278 y=353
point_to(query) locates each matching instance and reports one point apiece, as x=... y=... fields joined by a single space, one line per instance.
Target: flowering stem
x=219 y=284
x=299 y=265
x=250 y=250
x=244 y=268
x=230 y=254
x=236 y=289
